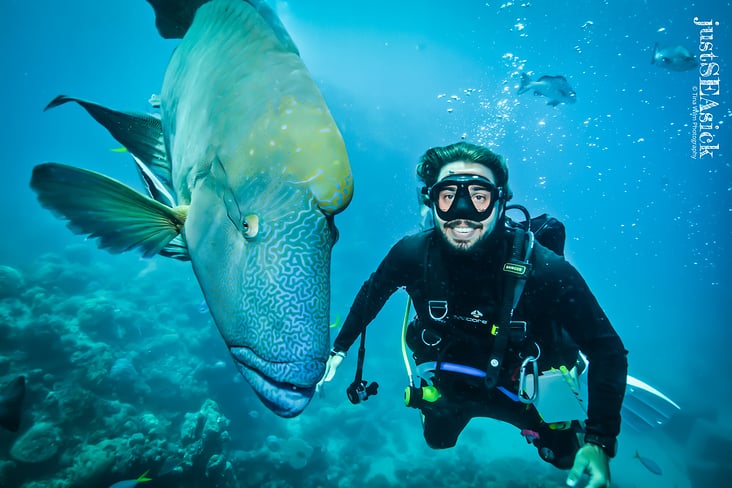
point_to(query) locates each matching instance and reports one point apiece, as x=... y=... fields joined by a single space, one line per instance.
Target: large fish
x=245 y=170
x=555 y=88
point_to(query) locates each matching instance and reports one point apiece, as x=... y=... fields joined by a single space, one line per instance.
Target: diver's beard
x=451 y=234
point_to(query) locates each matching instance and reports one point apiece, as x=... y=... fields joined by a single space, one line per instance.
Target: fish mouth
x=286 y=388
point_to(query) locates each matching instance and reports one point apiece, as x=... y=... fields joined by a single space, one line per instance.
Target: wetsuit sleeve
x=577 y=309
x=390 y=275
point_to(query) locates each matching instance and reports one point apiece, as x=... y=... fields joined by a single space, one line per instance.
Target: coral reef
x=126 y=373
x=38 y=444
x=11 y=282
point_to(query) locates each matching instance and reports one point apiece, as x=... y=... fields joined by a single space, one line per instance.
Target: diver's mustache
x=464 y=223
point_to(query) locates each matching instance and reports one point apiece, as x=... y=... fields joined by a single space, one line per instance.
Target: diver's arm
x=371 y=298
x=367 y=304
x=608 y=363
x=577 y=309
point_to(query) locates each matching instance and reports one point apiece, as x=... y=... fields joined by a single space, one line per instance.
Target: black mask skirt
x=463 y=206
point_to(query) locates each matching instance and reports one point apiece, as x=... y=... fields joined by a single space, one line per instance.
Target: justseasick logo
x=704 y=96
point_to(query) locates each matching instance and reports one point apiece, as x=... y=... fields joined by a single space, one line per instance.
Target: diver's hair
x=435 y=158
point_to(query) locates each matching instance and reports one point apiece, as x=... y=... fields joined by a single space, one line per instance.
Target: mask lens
x=446 y=197
x=480 y=196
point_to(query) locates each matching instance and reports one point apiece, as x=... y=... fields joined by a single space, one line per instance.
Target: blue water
x=648 y=225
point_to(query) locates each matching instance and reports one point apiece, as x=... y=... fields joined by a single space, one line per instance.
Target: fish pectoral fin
x=119 y=216
x=141 y=135
x=176 y=249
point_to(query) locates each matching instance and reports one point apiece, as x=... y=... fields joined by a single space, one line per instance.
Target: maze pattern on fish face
x=286 y=296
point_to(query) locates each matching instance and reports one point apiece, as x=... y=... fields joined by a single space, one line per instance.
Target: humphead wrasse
x=245 y=169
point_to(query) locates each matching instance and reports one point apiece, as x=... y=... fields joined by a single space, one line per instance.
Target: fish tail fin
x=525 y=82
x=143 y=477
x=12 y=400
x=101 y=207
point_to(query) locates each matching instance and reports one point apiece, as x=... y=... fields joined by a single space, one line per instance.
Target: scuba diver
x=493 y=308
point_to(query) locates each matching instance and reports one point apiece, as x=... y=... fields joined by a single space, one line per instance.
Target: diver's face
x=465 y=203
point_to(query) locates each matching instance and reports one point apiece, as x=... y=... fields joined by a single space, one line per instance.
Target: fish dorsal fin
x=174 y=17
x=101 y=207
x=274 y=22
x=141 y=134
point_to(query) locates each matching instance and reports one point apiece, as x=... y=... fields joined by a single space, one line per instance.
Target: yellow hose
x=404 y=341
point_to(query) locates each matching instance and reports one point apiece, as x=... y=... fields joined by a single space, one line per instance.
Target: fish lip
x=284 y=399
x=300 y=374
x=272 y=382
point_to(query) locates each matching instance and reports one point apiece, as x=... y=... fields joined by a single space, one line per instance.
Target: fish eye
x=250 y=226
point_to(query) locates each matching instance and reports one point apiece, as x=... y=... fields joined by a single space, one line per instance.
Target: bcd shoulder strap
x=551 y=234
x=516 y=272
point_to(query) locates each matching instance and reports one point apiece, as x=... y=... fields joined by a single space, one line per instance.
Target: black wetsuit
x=561 y=315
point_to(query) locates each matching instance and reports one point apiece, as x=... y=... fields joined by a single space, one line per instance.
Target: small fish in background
x=649 y=464
x=203 y=307
x=11 y=402
x=555 y=88
x=674 y=58
x=130 y=483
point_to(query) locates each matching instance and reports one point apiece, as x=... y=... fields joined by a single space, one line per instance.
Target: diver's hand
x=591 y=458
x=335 y=360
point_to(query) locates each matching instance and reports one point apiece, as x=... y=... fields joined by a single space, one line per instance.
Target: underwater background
x=126 y=371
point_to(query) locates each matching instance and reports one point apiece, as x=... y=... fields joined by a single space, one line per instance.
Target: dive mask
x=464 y=197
